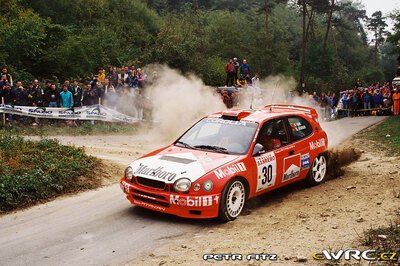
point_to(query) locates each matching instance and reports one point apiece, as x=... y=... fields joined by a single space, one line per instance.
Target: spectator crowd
x=376 y=99
x=119 y=89
x=122 y=90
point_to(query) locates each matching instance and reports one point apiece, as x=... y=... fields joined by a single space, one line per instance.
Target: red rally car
x=227 y=158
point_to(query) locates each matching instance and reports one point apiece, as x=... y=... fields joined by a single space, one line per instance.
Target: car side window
x=300 y=127
x=273 y=135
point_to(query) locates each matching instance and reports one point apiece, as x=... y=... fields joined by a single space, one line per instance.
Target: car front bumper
x=183 y=205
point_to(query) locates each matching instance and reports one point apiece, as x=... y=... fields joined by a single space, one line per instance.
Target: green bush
x=35 y=171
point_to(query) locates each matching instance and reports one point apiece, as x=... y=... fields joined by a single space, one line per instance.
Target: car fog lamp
x=196 y=187
x=182 y=185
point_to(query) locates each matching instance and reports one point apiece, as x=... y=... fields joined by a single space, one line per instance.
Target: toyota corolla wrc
x=227 y=158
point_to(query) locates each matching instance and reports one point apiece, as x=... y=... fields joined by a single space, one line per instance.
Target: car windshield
x=219 y=135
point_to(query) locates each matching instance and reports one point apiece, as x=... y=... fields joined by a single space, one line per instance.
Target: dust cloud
x=180 y=100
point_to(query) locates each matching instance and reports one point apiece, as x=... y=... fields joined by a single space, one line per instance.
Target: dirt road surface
x=100 y=227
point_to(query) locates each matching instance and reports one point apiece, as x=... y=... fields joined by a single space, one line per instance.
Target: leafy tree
x=377 y=25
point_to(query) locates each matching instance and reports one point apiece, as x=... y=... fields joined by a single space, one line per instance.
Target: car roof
x=267 y=113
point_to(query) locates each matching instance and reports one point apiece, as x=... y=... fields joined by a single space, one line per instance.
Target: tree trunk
x=306 y=28
x=266 y=32
x=328 y=27
x=303 y=47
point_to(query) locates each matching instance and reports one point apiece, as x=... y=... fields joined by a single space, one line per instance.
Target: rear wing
x=307 y=110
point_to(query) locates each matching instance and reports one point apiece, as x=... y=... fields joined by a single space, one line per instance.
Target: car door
x=274 y=137
x=300 y=133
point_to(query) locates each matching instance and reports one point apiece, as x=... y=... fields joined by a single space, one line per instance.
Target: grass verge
x=385 y=239
x=32 y=172
x=59 y=128
x=387 y=134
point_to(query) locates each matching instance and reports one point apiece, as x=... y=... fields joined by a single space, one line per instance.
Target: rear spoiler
x=308 y=110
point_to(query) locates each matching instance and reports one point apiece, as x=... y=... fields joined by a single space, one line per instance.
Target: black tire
x=232 y=200
x=317 y=173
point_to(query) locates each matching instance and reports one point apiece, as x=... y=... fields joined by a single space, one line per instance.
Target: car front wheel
x=232 y=201
x=317 y=171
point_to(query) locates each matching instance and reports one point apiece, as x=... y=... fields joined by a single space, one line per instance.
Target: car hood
x=174 y=162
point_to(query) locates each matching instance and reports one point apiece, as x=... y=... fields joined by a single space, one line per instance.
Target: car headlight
x=129 y=173
x=182 y=185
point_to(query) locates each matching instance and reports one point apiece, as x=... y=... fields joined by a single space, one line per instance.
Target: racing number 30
x=267 y=172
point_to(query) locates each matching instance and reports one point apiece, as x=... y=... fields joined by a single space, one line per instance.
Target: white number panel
x=266 y=171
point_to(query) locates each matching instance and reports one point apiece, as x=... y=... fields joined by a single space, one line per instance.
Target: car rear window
x=300 y=127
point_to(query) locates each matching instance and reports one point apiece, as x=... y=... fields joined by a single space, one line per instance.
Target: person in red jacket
x=396 y=102
x=230 y=70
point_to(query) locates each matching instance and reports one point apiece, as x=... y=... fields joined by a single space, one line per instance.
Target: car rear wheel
x=232 y=201
x=317 y=172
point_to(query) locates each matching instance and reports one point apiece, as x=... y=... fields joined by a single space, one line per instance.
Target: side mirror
x=258 y=149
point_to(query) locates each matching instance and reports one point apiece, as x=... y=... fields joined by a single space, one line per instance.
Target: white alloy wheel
x=235 y=199
x=319 y=169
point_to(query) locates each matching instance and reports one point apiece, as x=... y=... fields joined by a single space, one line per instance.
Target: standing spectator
x=139 y=104
x=112 y=76
x=354 y=103
x=141 y=77
x=66 y=98
x=20 y=95
x=122 y=76
x=132 y=70
x=244 y=69
x=99 y=91
x=346 y=105
x=47 y=86
x=236 y=63
x=255 y=81
x=77 y=93
x=39 y=93
x=21 y=98
x=230 y=73
x=8 y=77
x=89 y=96
x=377 y=98
x=111 y=98
x=52 y=96
x=358 y=84
x=31 y=95
x=8 y=96
x=67 y=83
x=119 y=87
x=132 y=80
x=101 y=76
x=367 y=98
x=396 y=101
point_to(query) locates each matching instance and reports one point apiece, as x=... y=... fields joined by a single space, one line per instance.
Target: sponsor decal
x=297 y=126
x=291 y=167
x=317 y=144
x=266 y=170
x=154 y=172
x=95 y=112
x=204 y=201
x=230 y=170
x=208 y=185
x=357 y=255
x=305 y=161
x=225 y=122
x=125 y=187
x=148 y=205
x=69 y=113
